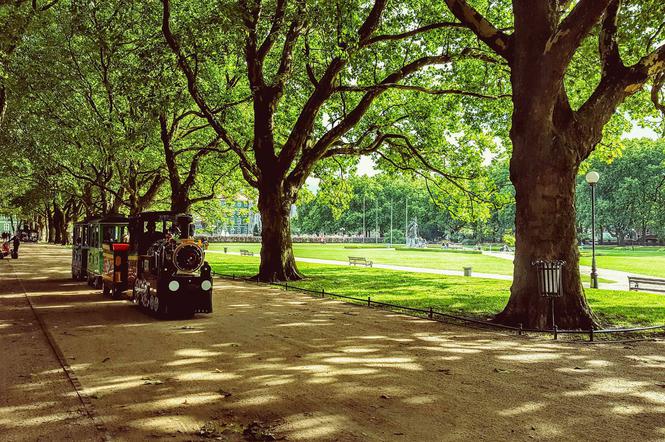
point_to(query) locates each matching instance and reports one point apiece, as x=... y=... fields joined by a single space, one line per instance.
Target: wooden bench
x=359 y=260
x=246 y=253
x=652 y=284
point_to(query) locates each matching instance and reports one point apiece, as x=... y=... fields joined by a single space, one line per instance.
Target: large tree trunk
x=547 y=150
x=58 y=223
x=180 y=202
x=545 y=229
x=277 y=260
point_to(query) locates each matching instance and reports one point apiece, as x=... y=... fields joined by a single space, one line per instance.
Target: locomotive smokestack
x=184 y=222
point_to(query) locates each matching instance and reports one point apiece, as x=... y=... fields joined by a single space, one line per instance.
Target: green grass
x=426 y=258
x=642 y=260
x=475 y=297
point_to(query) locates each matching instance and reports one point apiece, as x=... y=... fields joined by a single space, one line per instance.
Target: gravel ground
x=269 y=365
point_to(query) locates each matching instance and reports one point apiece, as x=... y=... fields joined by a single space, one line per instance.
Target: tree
x=323 y=104
x=631 y=190
x=550 y=137
x=15 y=18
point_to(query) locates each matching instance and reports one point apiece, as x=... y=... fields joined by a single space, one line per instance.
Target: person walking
x=16 y=242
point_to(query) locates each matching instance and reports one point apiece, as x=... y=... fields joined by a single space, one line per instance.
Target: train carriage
x=80 y=248
x=103 y=235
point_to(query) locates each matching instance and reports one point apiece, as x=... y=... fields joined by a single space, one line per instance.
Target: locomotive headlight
x=174 y=286
x=206 y=285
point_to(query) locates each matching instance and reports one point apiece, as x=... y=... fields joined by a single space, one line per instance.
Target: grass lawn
x=426 y=258
x=452 y=294
x=641 y=260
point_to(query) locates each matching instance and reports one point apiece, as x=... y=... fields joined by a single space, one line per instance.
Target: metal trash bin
x=467 y=271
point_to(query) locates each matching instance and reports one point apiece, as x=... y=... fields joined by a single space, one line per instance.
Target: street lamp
x=592 y=178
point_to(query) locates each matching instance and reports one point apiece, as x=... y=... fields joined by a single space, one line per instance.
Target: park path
x=304 y=369
x=619 y=277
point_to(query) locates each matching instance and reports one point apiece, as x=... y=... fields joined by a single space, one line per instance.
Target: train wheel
x=145 y=297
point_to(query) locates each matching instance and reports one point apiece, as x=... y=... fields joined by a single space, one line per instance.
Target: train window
x=108 y=233
x=84 y=235
x=93 y=235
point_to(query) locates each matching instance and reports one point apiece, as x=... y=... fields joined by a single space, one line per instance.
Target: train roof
x=110 y=219
x=159 y=215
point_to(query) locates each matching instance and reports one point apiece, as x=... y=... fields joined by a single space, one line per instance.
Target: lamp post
x=592 y=178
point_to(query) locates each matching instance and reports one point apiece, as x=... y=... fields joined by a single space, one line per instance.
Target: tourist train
x=153 y=254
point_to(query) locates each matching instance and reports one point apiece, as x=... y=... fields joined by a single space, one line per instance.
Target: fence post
x=369 y=301
x=591 y=335
x=323 y=293
x=555 y=333
x=520 y=330
x=286 y=285
x=430 y=313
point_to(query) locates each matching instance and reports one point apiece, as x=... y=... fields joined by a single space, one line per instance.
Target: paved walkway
x=619 y=278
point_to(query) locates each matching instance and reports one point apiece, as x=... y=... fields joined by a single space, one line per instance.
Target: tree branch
x=420 y=30
x=577 y=25
x=498 y=41
x=194 y=92
x=607 y=43
x=420 y=89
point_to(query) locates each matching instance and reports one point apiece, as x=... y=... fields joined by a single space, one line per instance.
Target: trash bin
x=467 y=271
x=224 y=249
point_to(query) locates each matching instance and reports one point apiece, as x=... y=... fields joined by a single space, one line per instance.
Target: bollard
x=369 y=301
x=323 y=293
x=591 y=335
x=556 y=336
x=520 y=330
x=286 y=285
x=430 y=313
x=224 y=249
x=467 y=271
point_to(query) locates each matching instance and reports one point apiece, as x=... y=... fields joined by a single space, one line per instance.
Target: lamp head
x=592 y=178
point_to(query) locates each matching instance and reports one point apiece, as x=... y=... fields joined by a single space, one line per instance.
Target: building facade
x=242 y=217
x=6 y=224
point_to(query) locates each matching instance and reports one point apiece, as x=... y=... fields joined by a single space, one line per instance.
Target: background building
x=242 y=217
x=6 y=224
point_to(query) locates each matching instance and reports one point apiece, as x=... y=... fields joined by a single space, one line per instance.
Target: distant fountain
x=412 y=237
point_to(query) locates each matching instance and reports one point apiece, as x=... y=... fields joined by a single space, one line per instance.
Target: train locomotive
x=171 y=277
x=153 y=254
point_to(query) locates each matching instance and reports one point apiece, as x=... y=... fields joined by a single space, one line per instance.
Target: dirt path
x=308 y=369
x=37 y=400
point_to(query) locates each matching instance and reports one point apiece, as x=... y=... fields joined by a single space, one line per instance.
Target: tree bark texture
x=545 y=229
x=277 y=260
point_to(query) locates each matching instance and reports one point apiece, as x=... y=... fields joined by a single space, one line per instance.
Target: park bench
x=359 y=260
x=652 y=284
x=246 y=253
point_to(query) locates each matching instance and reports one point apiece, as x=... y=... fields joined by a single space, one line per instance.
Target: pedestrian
x=16 y=242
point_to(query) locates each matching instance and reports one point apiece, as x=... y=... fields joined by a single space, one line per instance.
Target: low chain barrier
x=441 y=316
